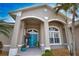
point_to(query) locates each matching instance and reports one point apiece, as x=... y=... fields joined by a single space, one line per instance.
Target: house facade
x=47 y=28
x=42 y=25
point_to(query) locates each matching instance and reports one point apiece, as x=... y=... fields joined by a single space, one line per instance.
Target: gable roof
x=30 y=7
x=13 y=13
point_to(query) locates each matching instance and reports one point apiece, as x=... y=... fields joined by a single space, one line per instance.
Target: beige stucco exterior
x=77 y=36
x=62 y=33
x=39 y=18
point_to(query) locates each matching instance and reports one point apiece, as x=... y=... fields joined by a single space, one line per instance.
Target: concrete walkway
x=31 y=52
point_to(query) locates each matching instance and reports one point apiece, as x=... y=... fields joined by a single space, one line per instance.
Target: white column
x=46 y=31
x=42 y=36
x=14 y=48
x=21 y=35
x=68 y=37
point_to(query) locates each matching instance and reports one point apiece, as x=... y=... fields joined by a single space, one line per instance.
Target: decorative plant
x=47 y=53
x=23 y=48
x=4 y=28
x=38 y=44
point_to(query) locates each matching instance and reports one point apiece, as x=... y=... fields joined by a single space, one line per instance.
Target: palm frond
x=4 y=33
x=4 y=28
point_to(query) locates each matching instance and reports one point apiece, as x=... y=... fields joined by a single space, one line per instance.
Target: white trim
x=33 y=17
x=59 y=36
x=18 y=13
x=57 y=20
x=6 y=45
x=10 y=45
x=55 y=43
x=20 y=45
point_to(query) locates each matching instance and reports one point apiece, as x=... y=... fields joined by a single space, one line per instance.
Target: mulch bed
x=3 y=53
x=60 y=52
x=77 y=52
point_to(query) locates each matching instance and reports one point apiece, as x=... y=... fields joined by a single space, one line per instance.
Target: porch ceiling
x=31 y=22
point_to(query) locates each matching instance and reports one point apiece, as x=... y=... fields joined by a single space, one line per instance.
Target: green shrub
x=47 y=53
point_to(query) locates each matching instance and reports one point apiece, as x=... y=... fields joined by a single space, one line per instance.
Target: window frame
x=59 y=34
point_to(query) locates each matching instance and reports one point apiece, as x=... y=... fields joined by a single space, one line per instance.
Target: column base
x=47 y=48
x=13 y=51
x=42 y=46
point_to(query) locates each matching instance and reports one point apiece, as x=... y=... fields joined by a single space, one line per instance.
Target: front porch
x=40 y=33
x=38 y=30
x=30 y=52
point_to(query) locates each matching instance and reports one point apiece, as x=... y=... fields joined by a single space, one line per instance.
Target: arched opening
x=32 y=32
x=57 y=34
x=54 y=35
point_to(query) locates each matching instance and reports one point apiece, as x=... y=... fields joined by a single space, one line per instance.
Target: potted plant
x=23 y=48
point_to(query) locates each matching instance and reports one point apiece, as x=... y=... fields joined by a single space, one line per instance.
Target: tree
x=4 y=28
x=72 y=9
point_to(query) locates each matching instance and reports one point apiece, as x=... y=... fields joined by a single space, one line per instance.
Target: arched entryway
x=32 y=29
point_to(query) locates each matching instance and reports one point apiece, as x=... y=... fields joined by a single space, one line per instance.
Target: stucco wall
x=40 y=12
x=77 y=36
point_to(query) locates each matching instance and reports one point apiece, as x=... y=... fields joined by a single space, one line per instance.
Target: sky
x=5 y=8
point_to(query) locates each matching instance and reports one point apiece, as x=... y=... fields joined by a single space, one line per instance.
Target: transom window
x=54 y=35
x=32 y=30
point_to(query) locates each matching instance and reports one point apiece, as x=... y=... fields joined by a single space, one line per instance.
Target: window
x=54 y=35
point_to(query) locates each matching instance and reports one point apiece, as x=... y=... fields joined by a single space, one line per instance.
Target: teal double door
x=33 y=40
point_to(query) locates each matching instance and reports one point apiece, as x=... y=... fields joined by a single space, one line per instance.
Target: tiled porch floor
x=31 y=52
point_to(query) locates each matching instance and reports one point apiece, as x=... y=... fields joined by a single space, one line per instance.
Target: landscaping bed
x=60 y=52
x=56 y=52
x=77 y=52
x=3 y=53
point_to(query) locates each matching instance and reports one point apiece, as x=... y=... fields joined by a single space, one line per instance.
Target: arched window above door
x=53 y=29
x=32 y=31
x=54 y=35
